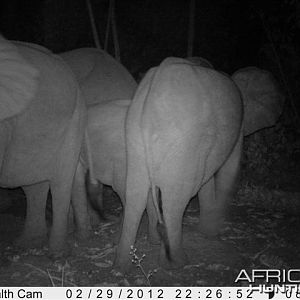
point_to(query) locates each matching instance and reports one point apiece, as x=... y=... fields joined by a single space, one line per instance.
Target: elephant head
x=263 y=100
x=18 y=80
x=106 y=135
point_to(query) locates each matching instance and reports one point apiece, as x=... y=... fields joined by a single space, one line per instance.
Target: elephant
x=106 y=132
x=42 y=128
x=262 y=97
x=184 y=133
x=100 y=76
x=102 y=79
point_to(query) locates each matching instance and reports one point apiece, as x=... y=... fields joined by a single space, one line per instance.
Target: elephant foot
x=178 y=260
x=82 y=236
x=59 y=255
x=211 y=224
x=115 y=236
x=59 y=246
x=153 y=237
x=95 y=218
x=210 y=229
x=28 y=241
x=122 y=266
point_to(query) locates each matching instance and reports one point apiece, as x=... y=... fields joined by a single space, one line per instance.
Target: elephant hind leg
x=161 y=224
x=156 y=224
x=157 y=230
x=174 y=202
x=61 y=200
x=210 y=209
x=218 y=191
x=136 y=201
x=153 y=235
x=35 y=228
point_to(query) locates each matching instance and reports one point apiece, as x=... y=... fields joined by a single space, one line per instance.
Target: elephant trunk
x=93 y=186
x=94 y=192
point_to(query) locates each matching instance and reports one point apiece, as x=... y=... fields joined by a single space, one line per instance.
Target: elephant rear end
x=182 y=126
x=190 y=123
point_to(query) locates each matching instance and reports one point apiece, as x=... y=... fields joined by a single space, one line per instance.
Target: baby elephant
x=106 y=133
x=107 y=138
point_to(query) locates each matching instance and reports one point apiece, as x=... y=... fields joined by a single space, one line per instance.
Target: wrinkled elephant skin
x=40 y=145
x=100 y=76
x=183 y=134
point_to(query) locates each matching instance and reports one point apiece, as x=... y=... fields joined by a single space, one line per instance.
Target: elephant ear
x=263 y=100
x=18 y=80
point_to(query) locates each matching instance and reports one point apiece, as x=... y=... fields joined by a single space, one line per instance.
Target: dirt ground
x=262 y=232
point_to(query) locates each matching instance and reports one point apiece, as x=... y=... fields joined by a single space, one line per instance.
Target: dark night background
x=231 y=34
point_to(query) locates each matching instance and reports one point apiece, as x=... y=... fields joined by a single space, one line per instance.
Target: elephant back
x=187 y=104
x=100 y=76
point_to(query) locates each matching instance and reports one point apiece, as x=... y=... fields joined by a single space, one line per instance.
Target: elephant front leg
x=35 y=228
x=61 y=183
x=61 y=200
x=61 y=190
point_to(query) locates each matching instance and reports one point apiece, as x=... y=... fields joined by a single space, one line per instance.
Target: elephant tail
x=93 y=186
x=161 y=226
